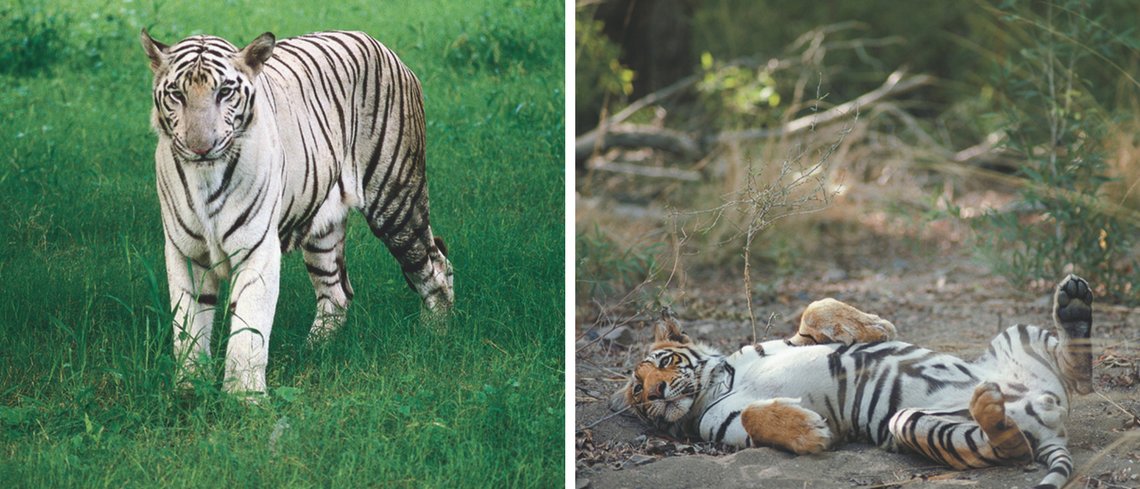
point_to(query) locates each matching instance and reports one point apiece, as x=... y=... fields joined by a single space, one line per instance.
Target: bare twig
x=1134 y=418
x=608 y=416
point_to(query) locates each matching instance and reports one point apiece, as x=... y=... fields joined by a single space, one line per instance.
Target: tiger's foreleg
x=253 y=300
x=987 y=437
x=831 y=321
x=780 y=423
x=193 y=290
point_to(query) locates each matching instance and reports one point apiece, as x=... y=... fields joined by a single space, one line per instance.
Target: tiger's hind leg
x=1072 y=316
x=982 y=436
x=404 y=229
x=832 y=321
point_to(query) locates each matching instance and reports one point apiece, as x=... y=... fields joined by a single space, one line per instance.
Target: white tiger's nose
x=200 y=151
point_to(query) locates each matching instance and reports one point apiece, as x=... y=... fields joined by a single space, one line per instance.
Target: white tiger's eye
x=224 y=92
x=177 y=96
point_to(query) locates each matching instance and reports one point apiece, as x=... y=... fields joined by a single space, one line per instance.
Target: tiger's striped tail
x=1055 y=456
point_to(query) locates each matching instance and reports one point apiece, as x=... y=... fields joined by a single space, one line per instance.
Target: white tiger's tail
x=1054 y=455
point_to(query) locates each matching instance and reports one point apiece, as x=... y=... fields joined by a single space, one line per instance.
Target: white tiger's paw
x=785 y=424
x=324 y=326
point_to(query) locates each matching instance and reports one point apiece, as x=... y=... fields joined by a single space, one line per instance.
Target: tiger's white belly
x=857 y=393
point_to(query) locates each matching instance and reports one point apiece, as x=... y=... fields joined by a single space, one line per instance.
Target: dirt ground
x=949 y=303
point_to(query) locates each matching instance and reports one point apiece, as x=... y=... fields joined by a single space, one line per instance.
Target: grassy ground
x=85 y=367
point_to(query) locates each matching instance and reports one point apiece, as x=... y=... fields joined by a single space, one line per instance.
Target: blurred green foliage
x=742 y=96
x=33 y=38
x=1056 y=115
x=606 y=267
x=598 y=74
x=511 y=38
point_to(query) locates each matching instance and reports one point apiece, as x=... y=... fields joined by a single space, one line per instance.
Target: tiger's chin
x=670 y=411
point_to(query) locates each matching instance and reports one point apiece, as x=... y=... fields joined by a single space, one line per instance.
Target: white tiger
x=265 y=149
x=840 y=378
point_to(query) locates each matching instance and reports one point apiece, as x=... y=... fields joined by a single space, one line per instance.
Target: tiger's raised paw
x=987 y=407
x=831 y=321
x=1072 y=315
x=782 y=423
x=1072 y=306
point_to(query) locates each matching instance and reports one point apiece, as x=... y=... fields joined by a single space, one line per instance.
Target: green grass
x=86 y=396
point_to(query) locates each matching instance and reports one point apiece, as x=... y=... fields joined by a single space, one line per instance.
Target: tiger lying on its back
x=1008 y=406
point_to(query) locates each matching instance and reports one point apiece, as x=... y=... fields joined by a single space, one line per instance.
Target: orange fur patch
x=832 y=321
x=988 y=409
x=785 y=426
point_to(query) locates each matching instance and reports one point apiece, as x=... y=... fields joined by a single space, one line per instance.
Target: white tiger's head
x=663 y=386
x=204 y=92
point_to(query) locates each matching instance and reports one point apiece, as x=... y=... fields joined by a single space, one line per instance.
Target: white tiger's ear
x=669 y=329
x=253 y=57
x=155 y=50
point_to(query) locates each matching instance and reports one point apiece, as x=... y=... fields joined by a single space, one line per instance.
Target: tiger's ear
x=155 y=50
x=253 y=57
x=669 y=329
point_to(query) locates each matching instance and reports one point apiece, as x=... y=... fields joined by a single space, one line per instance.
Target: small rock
x=620 y=336
x=658 y=446
x=834 y=275
x=581 y=483
x=640 y=440
x=638 y=459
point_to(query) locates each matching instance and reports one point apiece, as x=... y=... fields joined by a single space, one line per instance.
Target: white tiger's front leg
x=253 y=303
x=193 y=295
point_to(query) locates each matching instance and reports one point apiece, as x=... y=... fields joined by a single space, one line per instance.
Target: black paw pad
x=1073 y=302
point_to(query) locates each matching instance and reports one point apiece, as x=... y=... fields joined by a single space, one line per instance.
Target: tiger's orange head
x=663 y=386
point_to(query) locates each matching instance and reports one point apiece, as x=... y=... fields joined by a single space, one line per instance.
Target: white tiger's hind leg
x=422 y=256
x=324 y=259
x=193 y=296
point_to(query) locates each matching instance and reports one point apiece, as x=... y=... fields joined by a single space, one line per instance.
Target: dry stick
x=600 y=138
x=609 y=135
x=1135 y=418
x=651 y=171
x=895 y=84
x=595 y=140
x=608 y=416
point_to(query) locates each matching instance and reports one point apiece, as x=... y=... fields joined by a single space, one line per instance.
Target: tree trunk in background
x=656 y=39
